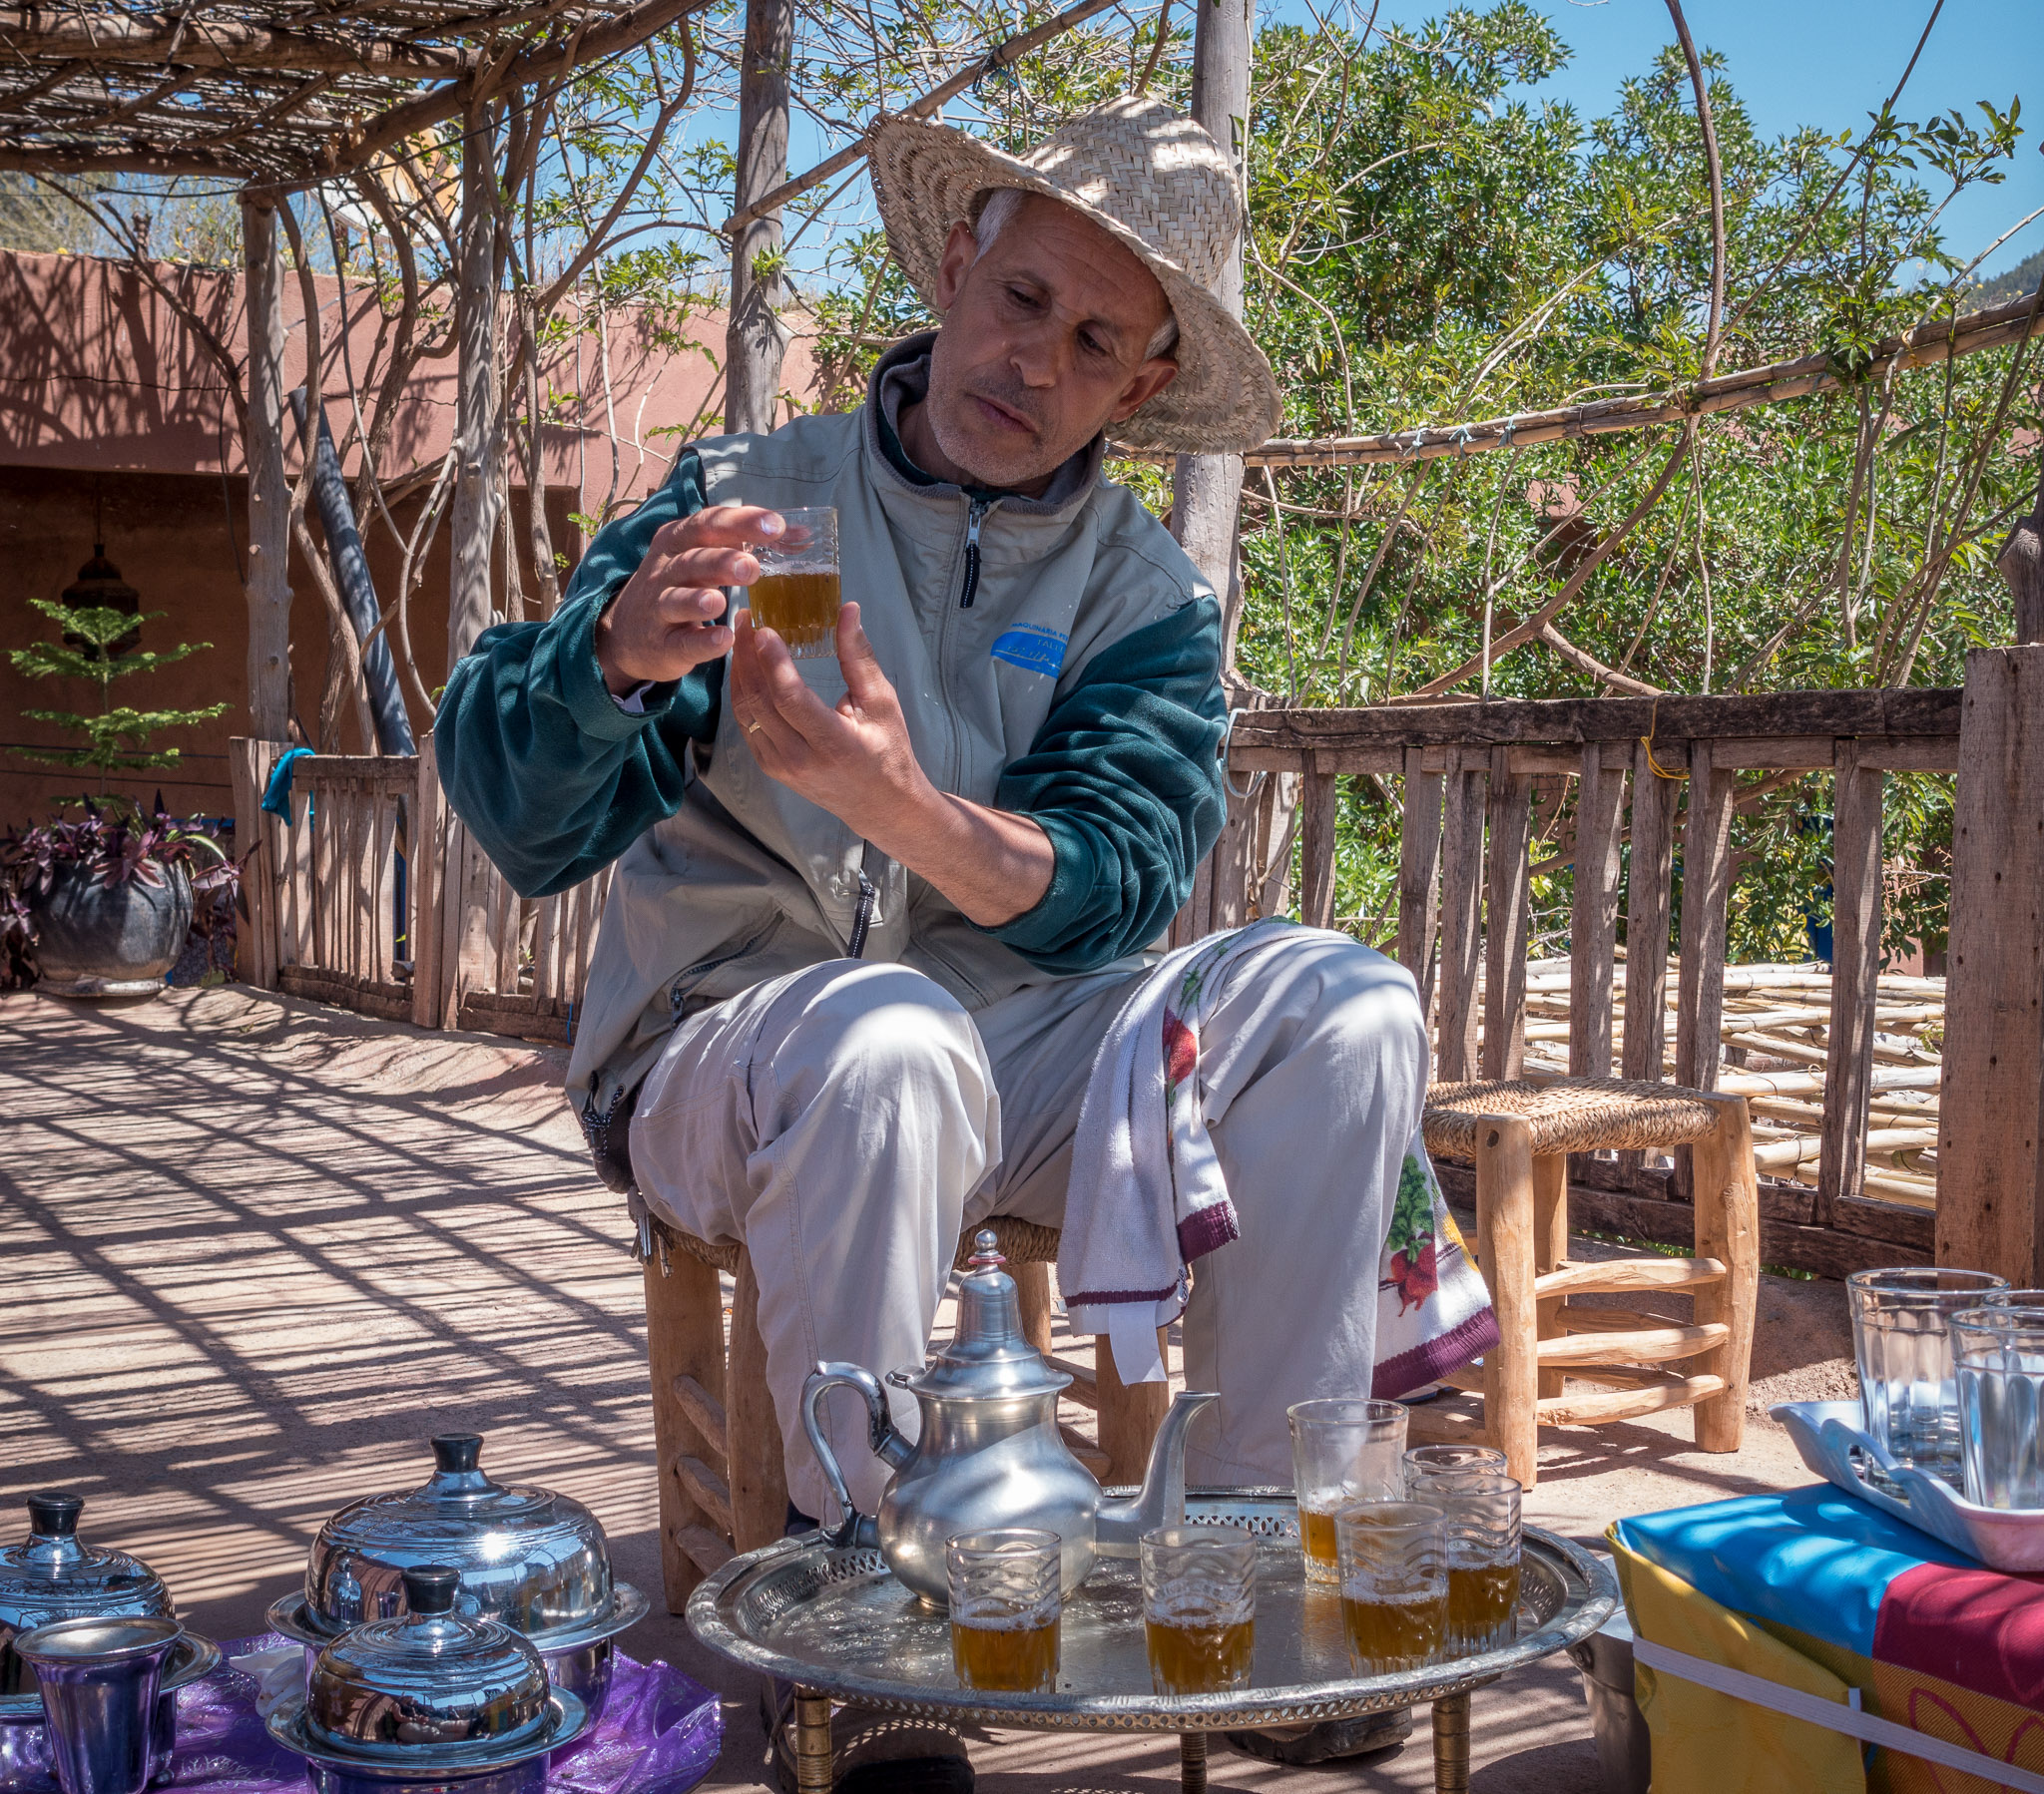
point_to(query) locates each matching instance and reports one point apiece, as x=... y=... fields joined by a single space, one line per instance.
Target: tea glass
x=1199 y=1607
x=1904 y=1356
x=1998 y=1365
x=797 y=591
x=1342 y=1452
x=1393 y=1569
x=1005 y=1609
x=1423 y=1463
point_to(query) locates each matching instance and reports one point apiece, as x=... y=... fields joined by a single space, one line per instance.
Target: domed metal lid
x=55 y=1575
x=988 y=1358
x=534 y=1561
x=434 y=1681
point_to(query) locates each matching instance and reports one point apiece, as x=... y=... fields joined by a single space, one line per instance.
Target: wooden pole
x=270 y=513
x=1988 y=1121
x=756 y=339
x=1856 y=973
x=1206 y=490
x=478 y=429
x=1593 y=916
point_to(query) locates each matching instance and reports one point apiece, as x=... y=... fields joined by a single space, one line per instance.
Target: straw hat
x=1153 y=181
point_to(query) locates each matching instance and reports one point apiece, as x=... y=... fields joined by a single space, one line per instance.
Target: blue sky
x=1828 y=63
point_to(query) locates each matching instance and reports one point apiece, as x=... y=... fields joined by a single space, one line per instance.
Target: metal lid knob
x=431 y=1587
x=53 y=1514
x=457 y=1451
x=986 y=1251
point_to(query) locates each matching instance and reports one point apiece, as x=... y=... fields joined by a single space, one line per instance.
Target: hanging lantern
x=99 y=585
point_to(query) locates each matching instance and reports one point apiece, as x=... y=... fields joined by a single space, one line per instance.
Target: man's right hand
x=665 y=622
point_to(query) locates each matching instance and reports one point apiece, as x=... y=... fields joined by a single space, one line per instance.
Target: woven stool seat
x=1521 y=1135
x=1570 y=1114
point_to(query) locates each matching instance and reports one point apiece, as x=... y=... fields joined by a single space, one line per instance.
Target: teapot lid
x=55 y=1575
x=988 y=1355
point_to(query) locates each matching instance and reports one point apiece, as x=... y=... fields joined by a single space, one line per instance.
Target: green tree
x=115 y=737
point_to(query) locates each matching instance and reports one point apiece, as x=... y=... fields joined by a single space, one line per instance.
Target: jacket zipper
x=974 y=517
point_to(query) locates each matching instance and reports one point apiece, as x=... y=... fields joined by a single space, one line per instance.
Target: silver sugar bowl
x=528 y=1559
x=432 y=1699
x=990 y=1453
x=55 y=1575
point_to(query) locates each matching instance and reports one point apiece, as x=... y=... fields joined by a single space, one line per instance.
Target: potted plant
x=106 y=901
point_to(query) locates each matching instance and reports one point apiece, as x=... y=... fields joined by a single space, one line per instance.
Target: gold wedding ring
x=752 y=729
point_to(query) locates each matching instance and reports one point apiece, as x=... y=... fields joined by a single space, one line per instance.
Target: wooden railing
x=374 y=897
x=1661 y=772
x=444 y=942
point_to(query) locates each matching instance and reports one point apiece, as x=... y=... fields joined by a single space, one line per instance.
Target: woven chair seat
x=1571 y=1114
x=1022 y=1242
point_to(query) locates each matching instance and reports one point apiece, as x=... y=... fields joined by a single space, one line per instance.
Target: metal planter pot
x=99 y=940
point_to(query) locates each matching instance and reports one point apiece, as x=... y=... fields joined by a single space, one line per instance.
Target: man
x=870 y=919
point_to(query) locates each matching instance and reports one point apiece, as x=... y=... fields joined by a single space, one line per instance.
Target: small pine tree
x=117 y=739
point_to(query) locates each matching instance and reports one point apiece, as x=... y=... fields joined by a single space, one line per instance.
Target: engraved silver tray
x=836 y=1623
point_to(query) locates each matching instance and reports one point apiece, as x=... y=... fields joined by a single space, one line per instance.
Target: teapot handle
x=887 y=1444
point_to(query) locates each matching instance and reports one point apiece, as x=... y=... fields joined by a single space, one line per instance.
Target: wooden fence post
x=1319 y=808
x=1508 y=923
x=1646 y=916
x=428 y=864
x=1461 y=920
x=1593 y=911
x=1705 y=886
x=1988 y=1114
x=1419 y=858
x=1855 y=977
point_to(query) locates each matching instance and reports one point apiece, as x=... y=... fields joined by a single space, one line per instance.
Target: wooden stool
x=722 y=1485
x=1521 y=1135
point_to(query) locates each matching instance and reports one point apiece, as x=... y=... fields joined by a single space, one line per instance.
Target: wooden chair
x=1521 y=1135
x=723 y=1488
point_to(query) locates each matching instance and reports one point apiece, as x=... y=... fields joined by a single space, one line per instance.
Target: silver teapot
x=990 y=1453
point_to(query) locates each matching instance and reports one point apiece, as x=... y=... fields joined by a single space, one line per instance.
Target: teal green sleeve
x=551 y=776
x=1125 y=777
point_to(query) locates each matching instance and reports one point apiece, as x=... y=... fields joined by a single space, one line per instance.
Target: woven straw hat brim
x=1225 y=400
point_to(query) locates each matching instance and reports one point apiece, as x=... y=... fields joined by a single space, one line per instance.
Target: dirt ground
x=253 y=1252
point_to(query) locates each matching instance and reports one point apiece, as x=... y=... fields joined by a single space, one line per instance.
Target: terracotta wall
x=179 y=540
x=108 y=404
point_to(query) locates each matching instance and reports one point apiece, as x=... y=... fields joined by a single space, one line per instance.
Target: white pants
x=847 y=1121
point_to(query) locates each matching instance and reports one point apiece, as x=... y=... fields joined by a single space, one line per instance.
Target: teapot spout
x=1119 y=1525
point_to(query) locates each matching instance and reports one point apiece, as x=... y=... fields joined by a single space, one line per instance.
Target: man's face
x=1044 y=344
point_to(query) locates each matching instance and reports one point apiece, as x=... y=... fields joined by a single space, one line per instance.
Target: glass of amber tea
x=1484 y=1541
x=796 y=595
x=1342 y=1452
x=1199 y=1607
x=1004 y=1609
x=1393 y=1566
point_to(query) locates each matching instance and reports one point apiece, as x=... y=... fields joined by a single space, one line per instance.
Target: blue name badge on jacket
x=1032 y=648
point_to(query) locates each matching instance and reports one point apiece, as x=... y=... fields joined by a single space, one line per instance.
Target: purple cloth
x=659 y=1734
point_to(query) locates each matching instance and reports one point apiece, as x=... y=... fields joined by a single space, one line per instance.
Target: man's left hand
x=855 y=760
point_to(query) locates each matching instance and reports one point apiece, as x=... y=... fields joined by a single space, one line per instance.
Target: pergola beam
x=220 y=44
x=553 y=63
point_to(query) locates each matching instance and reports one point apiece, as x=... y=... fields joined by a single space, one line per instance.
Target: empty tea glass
x=1393 y=1569
x=1998 y=1365
x=1905 y=1358
x=1343 y=1451
x=1005 y=1609
x=1424 y=1463
x=1199 y=1607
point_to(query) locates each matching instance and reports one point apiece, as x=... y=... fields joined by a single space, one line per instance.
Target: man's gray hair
x=1001 y=206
